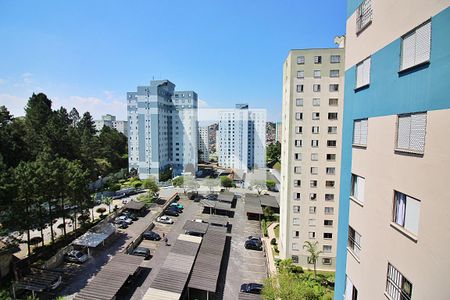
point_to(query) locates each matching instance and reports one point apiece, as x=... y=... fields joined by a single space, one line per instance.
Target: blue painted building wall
x=423 y=88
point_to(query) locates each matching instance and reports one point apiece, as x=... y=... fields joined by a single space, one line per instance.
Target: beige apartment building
x=311 y=153
x=394 y=234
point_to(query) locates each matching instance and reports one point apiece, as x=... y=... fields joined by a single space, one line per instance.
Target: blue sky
x=88 y=54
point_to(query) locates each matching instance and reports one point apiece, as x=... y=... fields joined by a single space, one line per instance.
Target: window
x=411 y=130
x=334 y=73
x=313 y=183
x=316 y=73
x=298 y=143
x=330 y=171
x=299 y=88
x=331 y=143
x=296 y=234
x=298 y=129
x=314 y=156
x=332 y=129
x=357 y=190
x=312 y=209
x=363 y=73
x=329 y=184
x=294 y=259
x=416 y=46
x=329 y=197
x=406 y=212
x=312 y=234
x=312 y=196
x=327 y=222
x=295 y=247
x=297 y=183
x=334 y=87
x=296 y=196
x=297 y=170
x=300 y=74
x=334 y=59
x=329 y=210
x=314 y=170
x=351 y=293
x=300 y=60
x=316 y=102
x=326 y=248
x=296 y=221
x=298 y=156
x=317 y=59
x=333 y=102
x=299 y=116
x=315 y=129
x=360 y=132
x=397 y=286
x=333 y=116
x=315 y=116
x=315 y=143
x=363 y=15
x=327 y=236
x=316 y=87
x=299 y=102
x=354 y=241
x=331 y=157
x=296 y=208
x=312 y=222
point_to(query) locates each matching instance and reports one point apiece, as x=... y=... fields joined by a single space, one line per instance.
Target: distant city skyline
x=232 y=51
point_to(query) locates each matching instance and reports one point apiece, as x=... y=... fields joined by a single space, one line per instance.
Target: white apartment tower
x=311 y=155
x=242 y=138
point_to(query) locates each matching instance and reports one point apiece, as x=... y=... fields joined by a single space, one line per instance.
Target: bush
x=225 y=181
x=276 y=249
x=137 y=184
x=273 y=241
x=264 y=227
x=297 y=269
x=101 y=210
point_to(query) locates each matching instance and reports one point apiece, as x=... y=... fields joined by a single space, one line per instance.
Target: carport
x=205 y=273
x=171 y=279
x=216 y=207
x=111 y=278
x=253 y=206
x=195 y=228
x=227 y=197
x=39 y=280
x=136 y=207
x=270 y=201
x=95 y=236
x=218 y=220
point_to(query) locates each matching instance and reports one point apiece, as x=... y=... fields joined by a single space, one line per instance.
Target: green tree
x=178 y=181
x=314 y=253
x=151 y=185
x=226 y=182
x=108 y=201
x=273 y=152
x=270 y=184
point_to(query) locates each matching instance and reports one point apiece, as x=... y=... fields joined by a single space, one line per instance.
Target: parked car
x=131 y=216
x=164 y=219
x=125 y=219
x=171 y=212
x=177 y=205
x=76 y=256
x=141 y=251
x=255 y=238
x=151 y=235
x=251 y=288
x=121 y=224
x=119 y=196
x=253 y=245
x=199 y=221
x=55 y=283
x=212 y=196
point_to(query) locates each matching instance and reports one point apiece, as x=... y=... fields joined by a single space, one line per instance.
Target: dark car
x=151 y=235
x=251 y=288
x=141 y=251
x=131 y=216
x=171 y=212
x=254 y=238
x=212 y=196
x=119 y=196
x=175 y=208
x=253 y=245
x=121 y=224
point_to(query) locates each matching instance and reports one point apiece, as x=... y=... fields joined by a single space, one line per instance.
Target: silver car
x=76 y=256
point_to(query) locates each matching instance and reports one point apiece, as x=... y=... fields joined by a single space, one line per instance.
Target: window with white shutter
x=363 y=15
x=411 y=130
x=363 y=73
x=416 y=46
x=360 y=132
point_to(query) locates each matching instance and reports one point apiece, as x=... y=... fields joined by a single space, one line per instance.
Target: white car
x=165 y=220
x=125 y=219
x=76 y=256
x=199 y=221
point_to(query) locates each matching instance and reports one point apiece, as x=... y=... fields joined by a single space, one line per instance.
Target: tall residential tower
x=311 y=153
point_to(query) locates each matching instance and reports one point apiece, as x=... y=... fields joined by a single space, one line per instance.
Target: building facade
x=311 y=154
x=393 y=230
x=162 y=129
x=242 y=138
x=203 y=143
x=110 y=121
x=278 y=132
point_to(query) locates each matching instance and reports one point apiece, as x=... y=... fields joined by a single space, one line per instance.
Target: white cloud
x=95 y=106
x=27 y=78
x=15 y=105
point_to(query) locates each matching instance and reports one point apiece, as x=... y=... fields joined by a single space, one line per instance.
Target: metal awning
x=95 y=236
x=218 y=220
x=134 y=205
x=270 y=201
x=39 y=280
x=197 y=227
x=226 y=197
x=253 y=204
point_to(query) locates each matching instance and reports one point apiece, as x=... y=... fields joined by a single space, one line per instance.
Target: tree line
x=47 y=160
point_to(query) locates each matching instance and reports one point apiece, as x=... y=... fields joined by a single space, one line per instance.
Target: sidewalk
x=270 y=254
